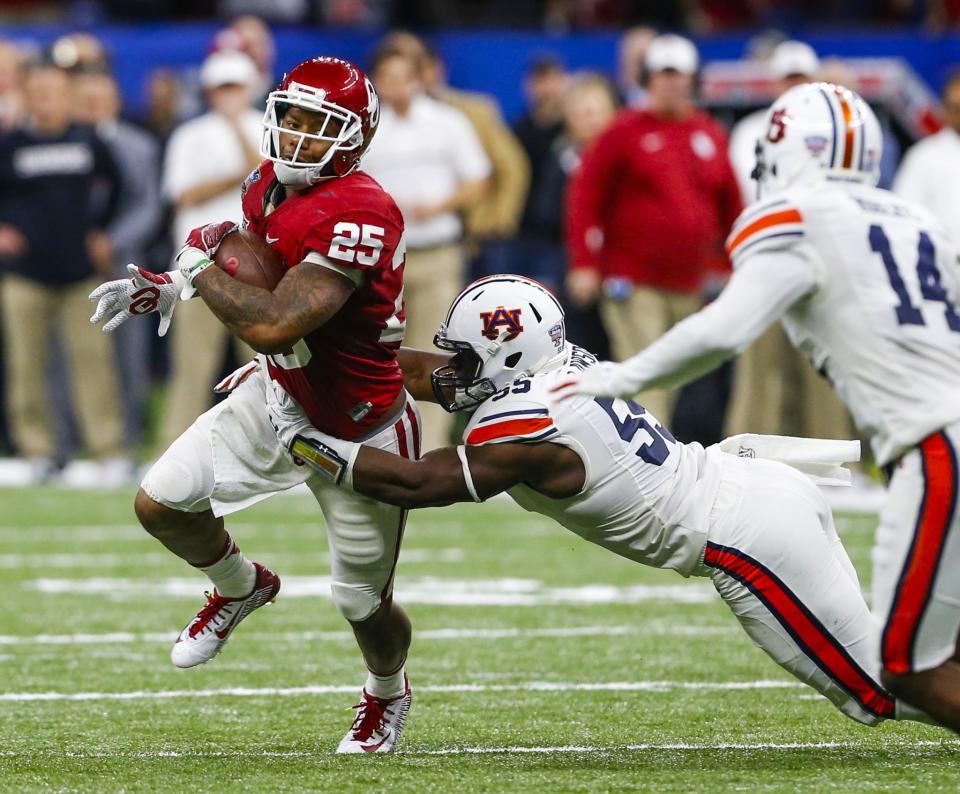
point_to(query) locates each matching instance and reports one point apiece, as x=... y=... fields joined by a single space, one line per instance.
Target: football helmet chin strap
x=299 y=178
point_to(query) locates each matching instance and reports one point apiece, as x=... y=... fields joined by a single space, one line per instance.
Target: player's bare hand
x=100 y=251
x=604 y=379
x=583 y=286
x=12 y=241
x=143 y=293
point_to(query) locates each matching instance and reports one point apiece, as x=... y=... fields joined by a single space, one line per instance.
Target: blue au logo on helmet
x=508 y=319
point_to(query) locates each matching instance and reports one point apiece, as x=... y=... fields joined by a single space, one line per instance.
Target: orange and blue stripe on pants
x=922 y=562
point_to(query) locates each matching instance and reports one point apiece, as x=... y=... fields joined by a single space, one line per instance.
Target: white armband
x=467 y=477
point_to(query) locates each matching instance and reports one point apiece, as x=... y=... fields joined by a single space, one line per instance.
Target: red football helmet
x=340 y=91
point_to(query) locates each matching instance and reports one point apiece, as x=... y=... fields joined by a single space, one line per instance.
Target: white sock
x=232 y=574
x=386 y=687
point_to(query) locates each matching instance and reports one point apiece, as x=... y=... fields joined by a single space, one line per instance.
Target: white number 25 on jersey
x=352 y=242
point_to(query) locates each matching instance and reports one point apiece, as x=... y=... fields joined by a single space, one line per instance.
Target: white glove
x=235 y=378
x=143 y=293
x=603 y=379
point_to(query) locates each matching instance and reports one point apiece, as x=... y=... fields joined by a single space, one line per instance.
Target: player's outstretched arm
x=759 y=293
x=271 y=322
x=441 y=477
x=417 y=367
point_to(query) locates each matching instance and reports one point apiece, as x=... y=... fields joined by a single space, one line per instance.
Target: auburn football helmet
x=349 y=111
x=499 y=328
x=818 y=131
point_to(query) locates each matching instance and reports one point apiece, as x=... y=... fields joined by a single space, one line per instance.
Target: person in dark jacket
x=53 y=251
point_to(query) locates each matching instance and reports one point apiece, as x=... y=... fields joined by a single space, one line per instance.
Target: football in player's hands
x=247 y=257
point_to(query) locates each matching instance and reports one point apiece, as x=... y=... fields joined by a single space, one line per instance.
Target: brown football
x=250 y=259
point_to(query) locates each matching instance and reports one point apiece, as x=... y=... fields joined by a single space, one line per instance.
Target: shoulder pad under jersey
x=518 y=412
x=768 y=225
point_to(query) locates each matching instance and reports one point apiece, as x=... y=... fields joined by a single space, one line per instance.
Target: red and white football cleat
x=205 y=635
x=378 y=723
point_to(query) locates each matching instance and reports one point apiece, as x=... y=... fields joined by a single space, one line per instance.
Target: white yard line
x=125 y=638
x=144 y=560
x=507 y=750
x=337 y=689
x=438 y=591
x=574 y=748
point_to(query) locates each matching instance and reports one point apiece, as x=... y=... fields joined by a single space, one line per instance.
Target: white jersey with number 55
x=646 y=497
x=882 y=321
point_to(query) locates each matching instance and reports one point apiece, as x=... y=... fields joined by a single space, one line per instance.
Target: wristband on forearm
x=325 y=460
x=192 y=262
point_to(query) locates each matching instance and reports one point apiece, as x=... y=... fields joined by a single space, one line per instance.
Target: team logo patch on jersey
x=254 y=177
x=508 y=319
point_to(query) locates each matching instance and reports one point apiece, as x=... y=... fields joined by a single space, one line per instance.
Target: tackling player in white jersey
x=866 y=284
x=612 y=473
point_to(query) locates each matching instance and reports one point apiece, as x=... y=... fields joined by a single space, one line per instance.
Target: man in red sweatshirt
x=649 y=209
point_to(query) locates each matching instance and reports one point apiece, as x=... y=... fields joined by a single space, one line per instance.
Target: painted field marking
x=515 y=749
x=146 y=559
x=337 y=689
x=684 y=746
x=123 y=638
x=506 y=592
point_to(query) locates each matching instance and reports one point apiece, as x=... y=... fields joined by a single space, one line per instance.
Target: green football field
x=539 y=663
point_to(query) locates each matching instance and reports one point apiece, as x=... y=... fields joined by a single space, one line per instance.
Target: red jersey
x=344 y=374
x=653 y=201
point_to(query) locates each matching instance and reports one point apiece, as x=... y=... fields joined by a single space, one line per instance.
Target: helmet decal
x=373 y=102
x=508 y=319
x=778 y=126
x=816 y=144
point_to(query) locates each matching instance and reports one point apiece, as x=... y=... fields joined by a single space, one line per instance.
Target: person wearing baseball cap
x=207 y=159
x=648 y=211
x=791 y=63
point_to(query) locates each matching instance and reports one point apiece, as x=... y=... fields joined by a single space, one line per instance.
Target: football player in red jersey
x=328 y=337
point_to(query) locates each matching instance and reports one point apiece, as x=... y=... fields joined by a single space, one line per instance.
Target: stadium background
x=542 y=662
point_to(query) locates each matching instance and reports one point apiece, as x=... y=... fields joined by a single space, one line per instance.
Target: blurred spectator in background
x=77 y=51
x=649 y=208
x=163 y=112
x=53 y=253
x=428 y=157
x=791 y=63
x=633 y=47
x=288 y=11
x=11 y=93
x=776 y=390
x=135 y=223
x=252 y=36
x=493 y=218
x=930 y=172
x=590 y=107
x=533 y=251
x=206 y=161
